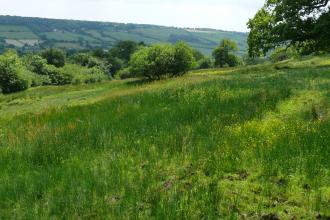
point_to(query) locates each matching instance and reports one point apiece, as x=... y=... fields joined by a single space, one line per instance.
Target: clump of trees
x=126 y=59
x=302 y=24
x=158 y=61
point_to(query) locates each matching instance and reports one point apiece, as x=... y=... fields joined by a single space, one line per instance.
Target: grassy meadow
x=245 y=143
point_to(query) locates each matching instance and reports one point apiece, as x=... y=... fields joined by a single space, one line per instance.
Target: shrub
x=162 y=60
x=54 y=57
x=58 y=76
x=114 y=64
x=81 y=74
x=281 y=54
x=39 y=80
x=125 y=73
x=204 y=63
x=35 y=63
x=13 y=75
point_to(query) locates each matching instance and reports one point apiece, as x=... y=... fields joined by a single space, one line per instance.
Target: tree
x=223 y=54
x=183 y=58
x=260 y=38
x=162 y=60
x=54 y=57
x=289 y=22
x=123 y=50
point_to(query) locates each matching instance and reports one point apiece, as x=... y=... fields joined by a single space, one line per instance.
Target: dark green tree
x=224 y=54
x=54 y=57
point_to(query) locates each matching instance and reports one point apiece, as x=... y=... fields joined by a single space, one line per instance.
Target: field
x=70 y=34
x=245 y=143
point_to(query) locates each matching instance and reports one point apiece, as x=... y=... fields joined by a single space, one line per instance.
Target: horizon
x=192 y=14
x=86 y=20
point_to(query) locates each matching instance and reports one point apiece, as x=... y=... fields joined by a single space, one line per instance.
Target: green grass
x=18 y=35
x=216 y=144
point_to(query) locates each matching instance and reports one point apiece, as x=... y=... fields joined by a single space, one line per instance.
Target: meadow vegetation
x=161 y=131
x=234 y=143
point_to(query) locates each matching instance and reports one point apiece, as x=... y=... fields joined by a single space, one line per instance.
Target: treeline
x=125 y=60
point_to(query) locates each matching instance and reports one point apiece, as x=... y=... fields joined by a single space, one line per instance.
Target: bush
x=39 y=80
x=13 y=75
x=253 y=60
x=54 y=57
x=58 y=76
x=35 y=63
x=204 y=63
x=281 y=54
x=125 y=73
x=162 y=60
x=81 y=74
x=114 y=64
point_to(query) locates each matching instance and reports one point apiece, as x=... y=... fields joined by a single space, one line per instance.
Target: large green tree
x=162 y=60
x=289 y=22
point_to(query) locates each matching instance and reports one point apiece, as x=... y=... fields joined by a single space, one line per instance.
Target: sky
x=231 y=15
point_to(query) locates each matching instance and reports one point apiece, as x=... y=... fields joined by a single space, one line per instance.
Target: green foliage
x=260 y=39
x=76 y=74
x=162 y=60
x=13 y=75
x=58 y=76
x=54 y=57
x=198 y=55
x=248 y=60
x=35 y=63
x=115 y=64
x=204 y=63
x=280 y=54
x=183 y=58
x=125 y=73
x=123 y=50
x=287 y=22
x=223 y=54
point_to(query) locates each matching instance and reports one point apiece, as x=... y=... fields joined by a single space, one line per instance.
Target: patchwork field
x=71 y=33
x=245 y=143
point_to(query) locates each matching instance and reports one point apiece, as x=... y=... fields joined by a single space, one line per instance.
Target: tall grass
x=231 y=146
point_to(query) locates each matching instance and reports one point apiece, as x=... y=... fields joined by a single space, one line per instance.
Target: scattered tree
x=224 y=54
x=162 y=60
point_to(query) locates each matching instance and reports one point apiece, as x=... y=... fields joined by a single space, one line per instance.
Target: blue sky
x=219 y=14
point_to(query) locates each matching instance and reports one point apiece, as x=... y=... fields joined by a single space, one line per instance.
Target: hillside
x=244 y=143
x=35 y=33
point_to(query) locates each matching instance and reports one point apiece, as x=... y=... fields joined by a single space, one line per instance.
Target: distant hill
x=29 y=34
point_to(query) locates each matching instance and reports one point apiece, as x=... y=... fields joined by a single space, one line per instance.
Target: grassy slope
x=106 y=34
x=213 y=144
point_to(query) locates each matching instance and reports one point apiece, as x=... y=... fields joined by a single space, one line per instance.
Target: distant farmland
x=20 y=32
